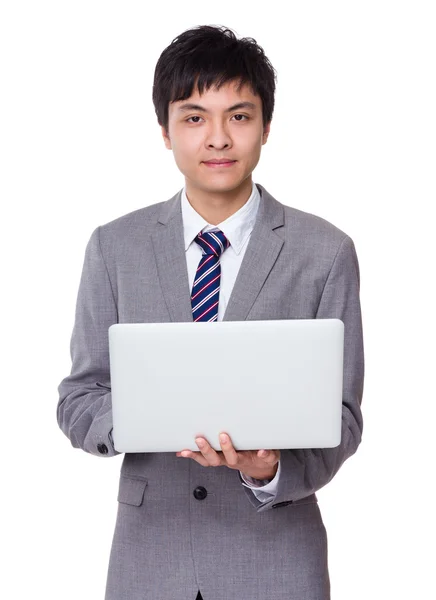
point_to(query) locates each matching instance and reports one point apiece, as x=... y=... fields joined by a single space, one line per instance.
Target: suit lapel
x=262 y=251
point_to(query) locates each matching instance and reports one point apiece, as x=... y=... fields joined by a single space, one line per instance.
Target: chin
x=220 y=186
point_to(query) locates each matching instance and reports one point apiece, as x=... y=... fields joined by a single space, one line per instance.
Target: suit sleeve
x=305 y=471
x=84 y=410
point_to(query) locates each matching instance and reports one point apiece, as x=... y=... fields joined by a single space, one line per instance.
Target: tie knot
x=212 y=242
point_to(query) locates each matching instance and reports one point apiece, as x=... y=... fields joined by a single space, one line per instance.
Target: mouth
x=218 y=165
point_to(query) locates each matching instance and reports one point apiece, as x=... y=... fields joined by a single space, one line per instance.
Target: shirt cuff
x=263 y=485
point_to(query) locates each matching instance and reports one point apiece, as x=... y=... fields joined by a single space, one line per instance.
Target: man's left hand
x=259 y=464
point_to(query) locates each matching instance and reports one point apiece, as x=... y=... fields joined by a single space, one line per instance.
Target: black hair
x=211 y=55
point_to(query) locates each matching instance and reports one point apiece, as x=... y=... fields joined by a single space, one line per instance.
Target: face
x=196 y=136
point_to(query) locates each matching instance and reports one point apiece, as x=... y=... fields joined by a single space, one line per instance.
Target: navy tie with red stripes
x=206 y=286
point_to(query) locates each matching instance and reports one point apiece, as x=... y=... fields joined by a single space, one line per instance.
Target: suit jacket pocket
x=131 y=489
x=312 y=499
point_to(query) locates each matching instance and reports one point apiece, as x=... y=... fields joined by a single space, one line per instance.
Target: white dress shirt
x=237 y=228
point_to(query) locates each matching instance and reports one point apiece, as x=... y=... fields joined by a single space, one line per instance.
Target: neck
x=216 y=207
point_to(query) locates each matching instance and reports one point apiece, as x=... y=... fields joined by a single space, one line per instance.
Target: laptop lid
x=270 y=384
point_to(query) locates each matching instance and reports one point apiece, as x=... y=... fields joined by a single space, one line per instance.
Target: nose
x=218 y=137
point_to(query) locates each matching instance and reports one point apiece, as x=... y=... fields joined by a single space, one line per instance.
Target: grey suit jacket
x=182 y=527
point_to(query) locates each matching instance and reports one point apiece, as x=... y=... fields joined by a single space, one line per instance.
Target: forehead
x=223 y=100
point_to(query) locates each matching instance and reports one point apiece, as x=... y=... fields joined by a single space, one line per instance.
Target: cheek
x=189 y=148
x=248 y=145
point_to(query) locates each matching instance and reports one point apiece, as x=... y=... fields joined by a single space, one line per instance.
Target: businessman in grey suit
x=208 y=524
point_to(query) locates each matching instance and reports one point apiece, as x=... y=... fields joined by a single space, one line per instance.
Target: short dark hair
x=211 y=55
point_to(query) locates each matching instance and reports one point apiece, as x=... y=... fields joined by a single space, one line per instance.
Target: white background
x=352 y=140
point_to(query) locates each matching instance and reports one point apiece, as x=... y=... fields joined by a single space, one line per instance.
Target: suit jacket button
x=102 y=448
x=200 y=493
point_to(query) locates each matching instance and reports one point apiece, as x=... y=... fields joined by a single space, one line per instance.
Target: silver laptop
x=272 y=384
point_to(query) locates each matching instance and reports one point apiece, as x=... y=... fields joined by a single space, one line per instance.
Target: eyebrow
x=189 y=106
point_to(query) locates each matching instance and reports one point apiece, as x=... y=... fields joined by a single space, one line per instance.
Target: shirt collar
x=236 y=228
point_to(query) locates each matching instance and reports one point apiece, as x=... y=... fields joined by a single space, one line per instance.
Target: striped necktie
x=206 y=288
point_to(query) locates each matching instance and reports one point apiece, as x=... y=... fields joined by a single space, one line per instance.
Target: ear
x=166 y=138
x=266 y=132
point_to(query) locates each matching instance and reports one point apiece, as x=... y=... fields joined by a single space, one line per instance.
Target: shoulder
x=126 y=229
x=312 y=227
x=300 y=227
x=141 y=217
x=316 y=239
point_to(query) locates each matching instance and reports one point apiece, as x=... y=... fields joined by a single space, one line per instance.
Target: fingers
x=208 y=452
x=229 y=452
x=269 y=456
x=207 y=457
x=197 y=456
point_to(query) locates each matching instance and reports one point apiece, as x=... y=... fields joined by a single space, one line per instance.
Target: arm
x=84 y=410
x=305 y=471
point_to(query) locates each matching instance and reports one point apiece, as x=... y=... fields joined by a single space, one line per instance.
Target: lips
x=220 y=166
x=218 y=162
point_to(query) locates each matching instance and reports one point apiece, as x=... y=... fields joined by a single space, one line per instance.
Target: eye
x=197 y=117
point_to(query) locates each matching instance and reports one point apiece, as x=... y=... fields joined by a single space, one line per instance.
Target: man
x=207 y=524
